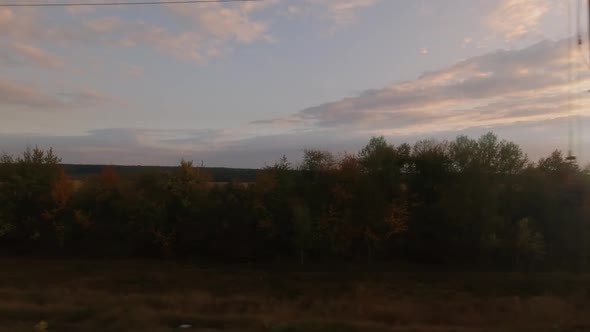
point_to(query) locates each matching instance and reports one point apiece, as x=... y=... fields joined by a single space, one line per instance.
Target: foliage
x=529 y=244
x=468 y=201
x=219 y=174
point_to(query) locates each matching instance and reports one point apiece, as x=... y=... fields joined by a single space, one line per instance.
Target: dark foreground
x=61 y=295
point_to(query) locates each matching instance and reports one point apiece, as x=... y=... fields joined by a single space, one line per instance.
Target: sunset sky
x=241 y=84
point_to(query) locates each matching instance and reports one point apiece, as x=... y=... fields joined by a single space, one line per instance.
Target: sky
x=241 y=84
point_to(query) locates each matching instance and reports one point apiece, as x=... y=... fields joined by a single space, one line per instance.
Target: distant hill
x=219 y=174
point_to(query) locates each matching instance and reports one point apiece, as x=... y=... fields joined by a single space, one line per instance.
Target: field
x=67 y=295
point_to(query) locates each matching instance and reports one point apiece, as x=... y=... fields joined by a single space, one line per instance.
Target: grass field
x=60 y=295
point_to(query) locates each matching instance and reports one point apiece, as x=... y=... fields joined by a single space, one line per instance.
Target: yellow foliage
x=41 y=326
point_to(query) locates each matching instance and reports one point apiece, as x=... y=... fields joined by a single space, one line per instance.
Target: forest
x=218 y=174
x=466 y=202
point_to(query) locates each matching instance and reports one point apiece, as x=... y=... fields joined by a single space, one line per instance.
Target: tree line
x=477 y=202
x=218 y=174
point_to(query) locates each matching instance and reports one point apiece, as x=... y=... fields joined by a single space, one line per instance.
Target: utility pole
x=580 y=181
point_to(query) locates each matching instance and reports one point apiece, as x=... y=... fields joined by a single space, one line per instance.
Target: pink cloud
x=514 y=19
x=37 y=56
x=497 y=88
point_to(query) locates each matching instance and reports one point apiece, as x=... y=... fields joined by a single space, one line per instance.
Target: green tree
x=26 y=182
x=316 y=161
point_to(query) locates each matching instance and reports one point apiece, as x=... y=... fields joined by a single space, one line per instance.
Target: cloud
x=338 y=13
x=342 y=12
x=133 y=146
x=6 y=16
x=280 y=121
x=213 y=26
x=31 y=97
x=33 y=27
x=530 y=84
x=130 y=146
x=466 y=41
x=124 y=33
x=37 y=56
x=90 y=98
x=209 y=29
x=16 y=94
x=222 y=23
x=106 y=24
x=206 y=31
x=514 y=19
x=135 y=71
x=294 y=10
x=199 y=32
x=80 y=10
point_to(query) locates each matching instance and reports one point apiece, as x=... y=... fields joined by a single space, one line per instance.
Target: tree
x=529 y=245
x=304 y=230
x=6 y=209
x=106 y=203
x=511 y=159
x=152 y=213
x=26 y=182
x=384 y=167
x=381 y=160
x=470 y=201
x=317 y=161
x=274 y=190
x=60 y=215
x=188 y=197
x=488 y=146
x=463 y=152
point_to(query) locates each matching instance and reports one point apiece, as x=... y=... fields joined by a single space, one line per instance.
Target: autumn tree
x=107 y=201
x=477 y=201
x=60 y=215
x=188 y=194
x=274 y=189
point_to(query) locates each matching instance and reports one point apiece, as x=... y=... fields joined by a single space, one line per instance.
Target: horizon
x=296 y=163
x=238 y=85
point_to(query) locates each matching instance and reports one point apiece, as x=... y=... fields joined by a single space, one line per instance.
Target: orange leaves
x=338 y=228
x=371 y=235
x=350 y=168
x=108 y=177
x=397 y=219
x=340 y=194
x=348 y=173
x=265 y=181
x=82 y=218
x=62 y=190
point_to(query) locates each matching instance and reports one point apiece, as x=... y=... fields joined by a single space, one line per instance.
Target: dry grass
x=158 y=296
